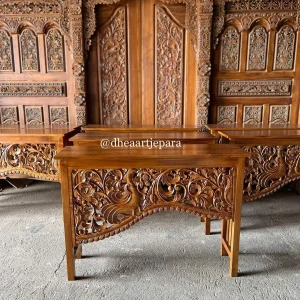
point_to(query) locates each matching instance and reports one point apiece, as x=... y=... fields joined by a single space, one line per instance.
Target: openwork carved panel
x=262 y=5
x=226 y=115
x=253 y=114
x=269 y=168
x=29 y=50
x=106 y=200
x=21 y=7
x=6 y=56
x=263 y=88
x=34 y=115
x=169 y=56
x=58 y=115
x=113 y=57
x=230 y=49
x=258 y=44
x=55 y=50
x=34 y=160
x=279 y=114
x=285 y=51
x=9 y=115
x=33 y=89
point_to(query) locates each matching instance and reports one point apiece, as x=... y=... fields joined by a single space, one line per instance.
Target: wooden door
x=256 y=65
x=142 y=67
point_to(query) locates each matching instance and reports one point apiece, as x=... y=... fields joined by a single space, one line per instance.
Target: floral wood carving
x=285 y=48
x=34 y=115
x=29 y=50
x=230 y=49
x=6 y=57
x=34 y=160
x=269 y=168
x=263 y=88
x=247 y=5
x=169 y=56
x=253 y=114
x=58 y=115
x=226 y=115
x=9 y=115
x=107 y=200
x=258 y=44
x=279 y=114
x=55 y=50
x=33 y=89
x=113 y=57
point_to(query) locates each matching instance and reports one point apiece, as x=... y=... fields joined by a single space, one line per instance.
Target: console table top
x=260 y=134
x=245 y=127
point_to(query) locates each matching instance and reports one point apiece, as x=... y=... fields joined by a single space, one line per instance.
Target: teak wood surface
x=94 y=138
x=30 y=150
x=122 y=186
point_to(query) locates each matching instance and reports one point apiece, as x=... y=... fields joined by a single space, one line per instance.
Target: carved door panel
x=256 y=65
x=145 y=61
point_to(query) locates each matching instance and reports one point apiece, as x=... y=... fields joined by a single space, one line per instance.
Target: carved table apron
x=106 y=191
x=30 y=151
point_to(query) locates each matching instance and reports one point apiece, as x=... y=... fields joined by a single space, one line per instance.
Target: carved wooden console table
x=30 y=151
x=106 y=191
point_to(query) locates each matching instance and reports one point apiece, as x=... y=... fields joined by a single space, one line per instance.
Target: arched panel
x=285 y=48
x=257 y=49
x=29 y=50
x=6 y=54
x=230 y=49
x=55 y=50
x=169 y=69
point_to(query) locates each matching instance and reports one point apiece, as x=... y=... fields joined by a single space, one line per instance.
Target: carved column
x=199 y=17
x=78 y=60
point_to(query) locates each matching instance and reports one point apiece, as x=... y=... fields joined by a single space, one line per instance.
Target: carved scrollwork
x=9 y=115
x=107 y=200
x=269 y=168
x=252 y=114
x=226 y=115
x=34 y=115
x=58 y=115
x=169 y=56
x=279 y=114
x=6 y=57
x=36 y=160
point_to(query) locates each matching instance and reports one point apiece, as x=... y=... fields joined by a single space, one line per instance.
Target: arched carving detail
x=6 y=54
x=29 y=49
x=54 y=42
x=230 y=49
x=257 y=48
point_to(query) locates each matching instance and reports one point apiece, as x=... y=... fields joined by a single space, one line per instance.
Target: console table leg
x=70 y=262
x=78 y=251
x=207 y=226
x=223 y=237
x=234 y=257
x=202 y=219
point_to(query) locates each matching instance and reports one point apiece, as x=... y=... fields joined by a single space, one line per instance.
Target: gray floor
x=165 y=256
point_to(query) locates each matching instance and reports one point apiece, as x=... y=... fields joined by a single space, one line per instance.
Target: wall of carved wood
x=256 y=66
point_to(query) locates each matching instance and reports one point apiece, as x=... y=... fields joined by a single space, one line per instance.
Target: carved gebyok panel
x=285 y=51
x=55 y=50
x=6 y=57
x=169 y=56
x=226 y=115
x=262 y=88
x=258 y=44
x=230 y=49
x=29 y=50
x=116 y=197
x=113 y=57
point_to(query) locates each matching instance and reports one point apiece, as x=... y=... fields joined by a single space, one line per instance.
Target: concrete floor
x=165 y=256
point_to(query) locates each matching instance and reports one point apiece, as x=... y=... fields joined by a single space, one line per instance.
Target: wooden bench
x=30 y=151
x=106 y=191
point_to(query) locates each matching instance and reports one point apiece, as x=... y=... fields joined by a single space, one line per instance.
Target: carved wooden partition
x=256 y=63
x=41 y=62
x=148 y=61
